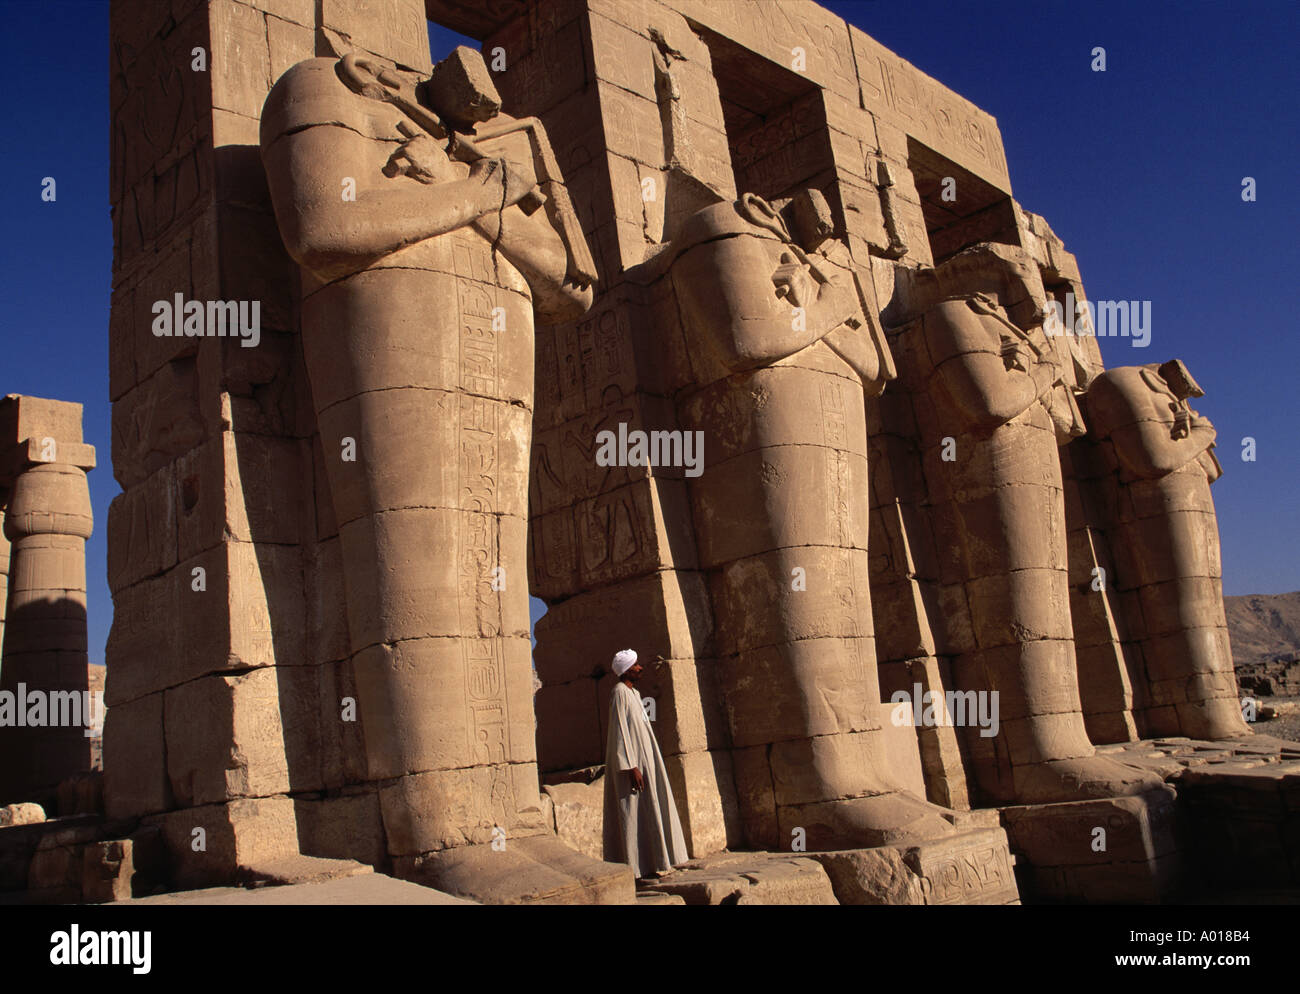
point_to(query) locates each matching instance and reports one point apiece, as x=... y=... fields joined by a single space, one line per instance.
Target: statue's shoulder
x=1117 y=397
x=311 y=93
x=1131 y=382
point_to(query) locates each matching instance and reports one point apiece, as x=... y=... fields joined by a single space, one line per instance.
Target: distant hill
x=1263 y=626
x=1265 y=633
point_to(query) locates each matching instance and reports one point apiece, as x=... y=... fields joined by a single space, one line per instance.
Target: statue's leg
x=1011 y=528
x=424 y=411
x=1174 y=547
x=781 y=520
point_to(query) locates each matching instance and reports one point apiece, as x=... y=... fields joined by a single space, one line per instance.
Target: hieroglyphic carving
x=480 y=609
x=905 y=97
x=775 y=30
x=970 y=875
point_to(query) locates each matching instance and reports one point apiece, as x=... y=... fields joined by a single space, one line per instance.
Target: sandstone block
x=568 y=725
x=538 y=870
x=24 y=813
x=871 y=876
x=705 y=794
x=234 y=839
x=737 y=518
x=343 y=827
x=106 y=871
x=442 y=809
x=579 y=815
x=665 y=614
x=1140 y=846
x=225 y=738
x=135 y=770
x=757 y=602
x=972 y=867
x=769 y=692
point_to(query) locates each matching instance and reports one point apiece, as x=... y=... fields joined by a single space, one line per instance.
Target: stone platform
x=360 y=889
x=536 y=870
x=1226 y=809
x=972 y=866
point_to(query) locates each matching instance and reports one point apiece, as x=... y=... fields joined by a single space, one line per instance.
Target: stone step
x=974 y=866
x=655 y=899
x=746 y=878
x=534 y=870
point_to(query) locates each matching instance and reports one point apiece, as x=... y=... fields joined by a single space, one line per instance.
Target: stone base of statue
x=536 y=870
x=1240 y=814
x=972 y=866
x=1118 y=850
x=1226 y=808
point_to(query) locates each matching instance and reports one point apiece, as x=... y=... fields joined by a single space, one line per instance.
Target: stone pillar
x=47 y=521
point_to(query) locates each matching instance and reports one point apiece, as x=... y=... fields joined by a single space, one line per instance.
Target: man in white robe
x=641 y=824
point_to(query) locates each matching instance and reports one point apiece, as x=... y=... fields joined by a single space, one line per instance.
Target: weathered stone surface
x=225 y=738
x=871 y=876
x=225 y=843
x=579 y=815
x=1121 y=849
x=747 y=878
x=342 y=827
x=974 y=867
x=538 y=870
x=46 y=521
x=106 y=871
x=81 y=794
x=24 y=813
x=361 y=889
x=441 y=666
x=999 y=407
x=135 y=758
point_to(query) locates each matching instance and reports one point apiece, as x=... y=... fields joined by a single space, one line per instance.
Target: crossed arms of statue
x=1153 y=431
x=757 y=299
x=967 y=341
x=333 y=237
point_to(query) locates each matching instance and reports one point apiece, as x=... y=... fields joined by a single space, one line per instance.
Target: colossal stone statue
x=782 y=344
x=422 y=273
x=989 y=440
x=1166 y=542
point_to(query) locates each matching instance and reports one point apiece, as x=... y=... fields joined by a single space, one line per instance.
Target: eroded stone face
x=417 y=318
x=1166 y=542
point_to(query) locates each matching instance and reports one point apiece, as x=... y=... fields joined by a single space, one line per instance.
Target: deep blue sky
x=1138 y=169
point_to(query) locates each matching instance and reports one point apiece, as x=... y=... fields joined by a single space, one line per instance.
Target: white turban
x=624 y=660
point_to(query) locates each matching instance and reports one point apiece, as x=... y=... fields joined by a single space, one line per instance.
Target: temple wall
x=226 y=700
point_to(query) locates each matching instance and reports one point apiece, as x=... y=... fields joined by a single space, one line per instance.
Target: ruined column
x=1166 y=542
x=47 y=522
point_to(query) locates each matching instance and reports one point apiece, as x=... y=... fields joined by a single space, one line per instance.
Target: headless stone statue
x=1166 y=541
x=781 y=352
x=421 y=277
x=990 y=441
